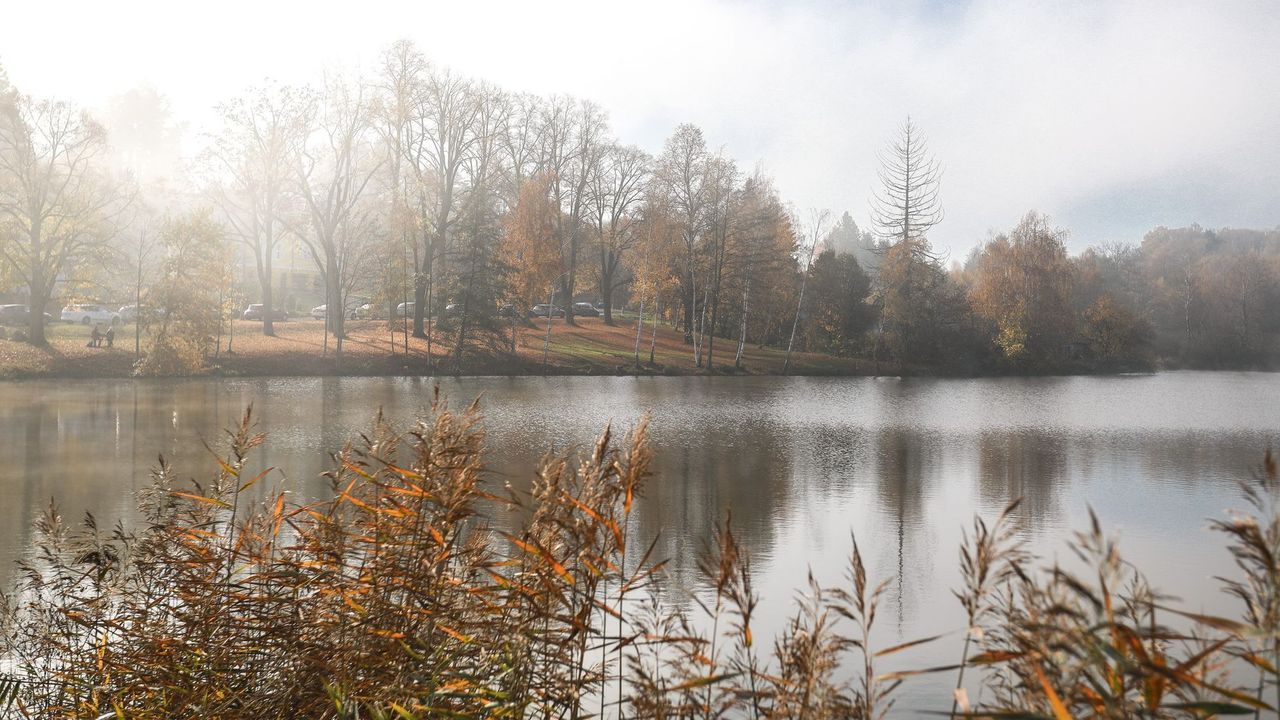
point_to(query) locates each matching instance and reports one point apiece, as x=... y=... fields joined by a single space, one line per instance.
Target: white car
x=131 y=313
x=89 y=314
x=320 y=312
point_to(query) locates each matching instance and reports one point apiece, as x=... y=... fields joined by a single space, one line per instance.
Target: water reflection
x=1030 y=465
x=801 y=462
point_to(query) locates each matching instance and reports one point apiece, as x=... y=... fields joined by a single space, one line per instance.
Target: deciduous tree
x=681 y=172
x=252 y=180
x=1023 y=286
x=58 y=208
x=334 y=165
x=617 y=192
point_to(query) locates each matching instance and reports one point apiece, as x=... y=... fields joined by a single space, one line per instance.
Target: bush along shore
x=419 y=589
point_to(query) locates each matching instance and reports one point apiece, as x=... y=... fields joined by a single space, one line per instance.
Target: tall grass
x=419 y=589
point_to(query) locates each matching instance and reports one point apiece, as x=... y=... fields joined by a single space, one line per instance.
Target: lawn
x=301 y=347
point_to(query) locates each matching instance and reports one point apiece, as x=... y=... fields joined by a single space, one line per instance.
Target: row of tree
x=422 y=187
x=1187 y=297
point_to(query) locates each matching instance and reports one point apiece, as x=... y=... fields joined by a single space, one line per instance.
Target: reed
x=419 y=589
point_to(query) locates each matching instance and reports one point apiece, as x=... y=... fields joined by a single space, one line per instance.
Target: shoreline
x=372 y=349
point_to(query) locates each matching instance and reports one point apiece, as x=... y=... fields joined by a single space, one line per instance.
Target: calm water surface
x=802 y=463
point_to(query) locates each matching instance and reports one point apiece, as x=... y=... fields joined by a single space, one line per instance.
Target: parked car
x=255 y=312
x=355 y=307
x=507 y=311
x=320 y=312
x=585 y=309
x=405 y=309
x=453 y=310
x=131 y=313
x=545 y=310
x=368 y=311
x=86 y=314
x=19 y=315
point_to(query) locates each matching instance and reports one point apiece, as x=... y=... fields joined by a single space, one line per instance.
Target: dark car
x=255 y=312
x=585 y=309
x=508 y=311
x=19 y=315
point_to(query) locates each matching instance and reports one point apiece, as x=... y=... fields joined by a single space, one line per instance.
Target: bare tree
x=57 y=209
x=334 y=166
x=252 y=162
x=903 y=210
x=682 y=174
x=813 y=236
x=573 y=142
x=723 y=198
x=401 y=83
x=143 y=255
x=521 y=142
x=906 y=205
x=617 y=190
x=438 y=146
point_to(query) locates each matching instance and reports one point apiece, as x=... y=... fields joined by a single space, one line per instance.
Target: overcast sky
x=1110 y=117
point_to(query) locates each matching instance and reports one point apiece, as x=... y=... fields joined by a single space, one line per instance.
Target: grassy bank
x=299 y=348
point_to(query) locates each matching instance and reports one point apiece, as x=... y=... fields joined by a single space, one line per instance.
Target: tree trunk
x=39 y=301
x=653 y=341
x=430 y=331
x=217 y=343
x=608 y=268
x=569 y=284
x=551 y=316
x=742 y=329
x=268 y=305
x=715 y=314
x=137 y=308
x=804 y=280
x=700 y=334
x=639 y=325
x=332 y=295
x=462 y=325
x=420 y=294
x=690 y=295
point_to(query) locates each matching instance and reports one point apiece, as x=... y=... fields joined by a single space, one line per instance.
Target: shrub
x=170 y=355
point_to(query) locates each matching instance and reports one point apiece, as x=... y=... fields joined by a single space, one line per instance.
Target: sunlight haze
x=1110 y=118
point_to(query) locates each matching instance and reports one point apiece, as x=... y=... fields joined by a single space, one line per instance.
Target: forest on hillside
x=463 y=206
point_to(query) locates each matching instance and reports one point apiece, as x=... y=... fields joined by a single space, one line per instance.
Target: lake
x=802 y=463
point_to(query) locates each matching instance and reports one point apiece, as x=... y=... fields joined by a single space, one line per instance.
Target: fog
x=1111 y=118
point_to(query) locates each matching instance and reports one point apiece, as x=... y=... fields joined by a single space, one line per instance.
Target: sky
x=1112 y=118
